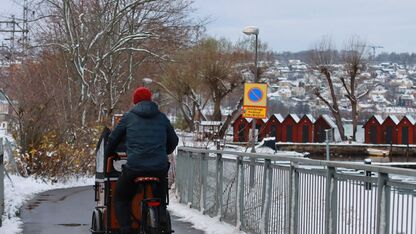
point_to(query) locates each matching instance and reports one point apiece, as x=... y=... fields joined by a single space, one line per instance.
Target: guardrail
x=1 y=181
x=283 y=194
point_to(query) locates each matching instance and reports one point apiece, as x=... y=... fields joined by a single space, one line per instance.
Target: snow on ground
x=200 y=221
x=18 y=190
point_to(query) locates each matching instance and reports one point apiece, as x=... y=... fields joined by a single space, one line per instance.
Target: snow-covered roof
x=393 y=118
x=407 y=97
x=211 y=123
x=295 y=118
x=251 y=119
x=285 y=90
x=379 y=99
x=3 y=98
x=310 y=117
x=411 y=119
x=329 y=121
x=379 y=119
x=279 y=117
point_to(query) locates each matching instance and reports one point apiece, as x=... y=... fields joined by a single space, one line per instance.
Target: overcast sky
x=8 y=7
x=295 y=25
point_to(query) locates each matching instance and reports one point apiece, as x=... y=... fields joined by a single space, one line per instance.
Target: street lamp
x=148 y=81
x=252 y=30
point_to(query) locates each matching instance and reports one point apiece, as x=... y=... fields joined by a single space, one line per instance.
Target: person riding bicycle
x=149 y=138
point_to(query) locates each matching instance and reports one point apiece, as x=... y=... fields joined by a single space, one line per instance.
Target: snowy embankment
x=200 y=221
x=18 y=190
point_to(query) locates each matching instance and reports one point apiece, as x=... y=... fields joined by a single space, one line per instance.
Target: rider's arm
x=172 y=139
x=116 y=136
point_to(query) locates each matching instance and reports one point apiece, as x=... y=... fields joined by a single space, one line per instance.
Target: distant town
x=292 y=81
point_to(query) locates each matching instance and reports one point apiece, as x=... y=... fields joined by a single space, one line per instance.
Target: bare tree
x=220 y=70
x=205 y=73
x=106 y=41
x=355 y=62
x=180 y=83
x=323 y=58
x=352 y=63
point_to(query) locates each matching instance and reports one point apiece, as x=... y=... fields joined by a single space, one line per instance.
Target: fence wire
x=278 y=194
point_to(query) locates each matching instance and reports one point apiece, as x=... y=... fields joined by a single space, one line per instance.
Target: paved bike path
x=68 y=211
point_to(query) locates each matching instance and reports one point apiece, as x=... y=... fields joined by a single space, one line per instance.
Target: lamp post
x=252 y=30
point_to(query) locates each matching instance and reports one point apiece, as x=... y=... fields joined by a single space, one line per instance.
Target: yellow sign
x=255 y=94
x=255 y=101
x=254 y=112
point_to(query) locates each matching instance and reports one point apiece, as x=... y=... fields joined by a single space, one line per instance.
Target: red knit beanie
x=142 y=94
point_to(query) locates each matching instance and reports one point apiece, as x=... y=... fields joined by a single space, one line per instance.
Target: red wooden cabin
x=305 y=129
x=321 y=124
x=389 y=130
x=241 y=129
x=405 y=130
x=373 y=131
x=260 y=126
x=290 y=128
x=274 y=127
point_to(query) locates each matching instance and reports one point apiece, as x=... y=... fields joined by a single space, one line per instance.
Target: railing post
x=219 y=178
x=267 y=196
x=240 y=192
x=367 y=185
x=190 y=179
x=252 y=172
x=263 y=194
x=331 y=194
x=294 y=199
x=383 y=208
x=1 y=182
x=178 y=176
x=204 y=172
x=327 y=133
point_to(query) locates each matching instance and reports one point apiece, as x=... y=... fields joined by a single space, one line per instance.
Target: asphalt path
x=68 y=211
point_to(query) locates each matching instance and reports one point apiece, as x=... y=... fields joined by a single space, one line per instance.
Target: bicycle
x=146 y=209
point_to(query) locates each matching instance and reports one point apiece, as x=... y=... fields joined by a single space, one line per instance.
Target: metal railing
x=296 y=195
x=1 y=181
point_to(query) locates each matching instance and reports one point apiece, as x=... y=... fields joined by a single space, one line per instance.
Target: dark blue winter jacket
x=149 y=137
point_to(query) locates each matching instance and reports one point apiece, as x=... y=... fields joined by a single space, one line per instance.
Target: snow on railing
x=296 y=195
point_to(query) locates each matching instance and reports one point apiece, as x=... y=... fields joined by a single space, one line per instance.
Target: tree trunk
x=354 y=116
x=227 y=122
x=217 y=110
x=188 y=120
x=338 y=122
x=335 y=109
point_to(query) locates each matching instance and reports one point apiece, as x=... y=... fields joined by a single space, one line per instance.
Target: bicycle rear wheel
x=152 y=221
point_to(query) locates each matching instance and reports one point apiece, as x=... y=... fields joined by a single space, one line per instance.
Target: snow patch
x=18 y=190
x=200 y=221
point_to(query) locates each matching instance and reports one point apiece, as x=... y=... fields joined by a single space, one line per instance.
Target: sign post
x=255 y=107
